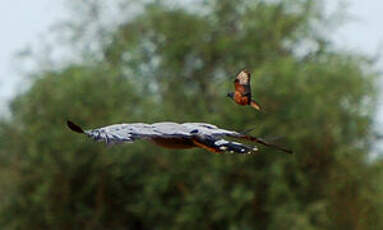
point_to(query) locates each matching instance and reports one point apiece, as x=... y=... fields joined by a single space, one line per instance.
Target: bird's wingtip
x=266 y=143
x=74 y=127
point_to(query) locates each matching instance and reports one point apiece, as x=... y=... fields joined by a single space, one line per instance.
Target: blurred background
x=316 y=71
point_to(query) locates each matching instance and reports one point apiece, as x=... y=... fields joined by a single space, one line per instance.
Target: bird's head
x=231 y=94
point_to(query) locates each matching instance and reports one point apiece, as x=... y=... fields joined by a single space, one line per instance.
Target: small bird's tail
x=255 y=105
x=265 y=143
x=74 y=127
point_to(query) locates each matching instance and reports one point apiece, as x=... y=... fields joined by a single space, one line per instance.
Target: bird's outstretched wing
x=173 y=135
x=242 y=83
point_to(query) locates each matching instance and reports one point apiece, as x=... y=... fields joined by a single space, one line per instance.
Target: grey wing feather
x=131 y=132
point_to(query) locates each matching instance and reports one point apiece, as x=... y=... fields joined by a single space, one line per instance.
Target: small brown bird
x=242 y=93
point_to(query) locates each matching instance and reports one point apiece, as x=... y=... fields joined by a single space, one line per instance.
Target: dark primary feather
x=74 y=127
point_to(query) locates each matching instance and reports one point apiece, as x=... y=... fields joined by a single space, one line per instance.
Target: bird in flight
x=242 y=93
x=176 y=136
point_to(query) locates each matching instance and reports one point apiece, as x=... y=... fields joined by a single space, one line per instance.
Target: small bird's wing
x=242 y=83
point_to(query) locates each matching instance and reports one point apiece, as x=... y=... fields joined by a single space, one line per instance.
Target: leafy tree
x=171 y=63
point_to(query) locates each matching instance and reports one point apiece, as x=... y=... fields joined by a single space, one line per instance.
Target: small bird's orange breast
x=239 y=99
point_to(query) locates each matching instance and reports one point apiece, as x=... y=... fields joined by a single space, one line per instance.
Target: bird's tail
x=74 y=127
x=256 y=105
x=266 y=143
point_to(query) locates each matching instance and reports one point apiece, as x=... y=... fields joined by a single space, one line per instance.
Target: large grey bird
x=176 y=136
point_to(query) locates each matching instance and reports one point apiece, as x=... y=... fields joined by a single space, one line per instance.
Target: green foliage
x=177 y=64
